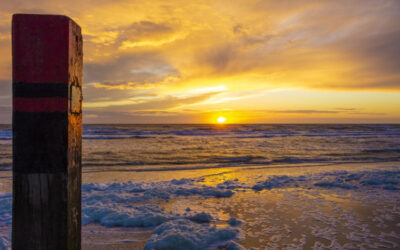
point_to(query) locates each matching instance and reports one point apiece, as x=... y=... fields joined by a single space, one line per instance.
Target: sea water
x=145 y=147
x=233 y=186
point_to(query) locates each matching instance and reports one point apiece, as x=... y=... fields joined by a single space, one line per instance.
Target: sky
x=264 y=61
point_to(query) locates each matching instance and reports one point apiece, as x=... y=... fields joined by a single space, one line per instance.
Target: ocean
x=163 y=147
x=233 y=186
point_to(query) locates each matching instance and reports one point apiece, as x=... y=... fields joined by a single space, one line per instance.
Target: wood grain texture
x=74 y=137
x=47 y=49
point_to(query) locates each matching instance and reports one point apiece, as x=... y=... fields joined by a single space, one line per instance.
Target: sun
x=221 y=119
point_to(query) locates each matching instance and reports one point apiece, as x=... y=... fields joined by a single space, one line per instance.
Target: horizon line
x=272 y=123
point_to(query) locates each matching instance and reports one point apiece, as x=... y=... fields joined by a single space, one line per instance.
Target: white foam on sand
x=388 y=180
x=116 y=204
x=185 y=234
x=136 y=204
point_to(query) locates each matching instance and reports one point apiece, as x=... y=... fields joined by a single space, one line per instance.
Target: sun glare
x=221 y=119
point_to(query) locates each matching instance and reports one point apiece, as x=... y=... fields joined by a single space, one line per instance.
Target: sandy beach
x=323 y=208
x=342 y=206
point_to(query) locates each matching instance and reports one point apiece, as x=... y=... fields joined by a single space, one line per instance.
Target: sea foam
x=135 y=204
x=185 y=234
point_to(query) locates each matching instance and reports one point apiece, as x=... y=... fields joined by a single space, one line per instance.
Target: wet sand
x=294 y=214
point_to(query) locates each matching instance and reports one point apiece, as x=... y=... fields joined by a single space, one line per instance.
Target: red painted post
x=47 y=132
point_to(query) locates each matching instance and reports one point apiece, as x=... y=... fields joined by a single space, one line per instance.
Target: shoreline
x=341 y=205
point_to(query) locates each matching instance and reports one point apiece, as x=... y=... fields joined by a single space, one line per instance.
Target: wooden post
x=47 y=132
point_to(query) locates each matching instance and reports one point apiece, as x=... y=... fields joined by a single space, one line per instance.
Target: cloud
x=158 y=103
x=349 y=111
x=5 y=94
x=152 y=50
x=145 y=33
x=138 y=117
x=308 y=111
x=322 y=45
x=5 y=115
x=305 y=43
x=144 y=29
x=150 y=111
x=139 y=68
x=92 y=93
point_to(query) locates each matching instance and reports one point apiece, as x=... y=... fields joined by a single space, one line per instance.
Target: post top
x=42 y=47
x=26 y=16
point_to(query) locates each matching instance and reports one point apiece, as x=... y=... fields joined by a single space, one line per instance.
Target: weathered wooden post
x=47 y=128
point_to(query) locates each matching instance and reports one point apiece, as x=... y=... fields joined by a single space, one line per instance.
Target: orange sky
x=266 y=61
